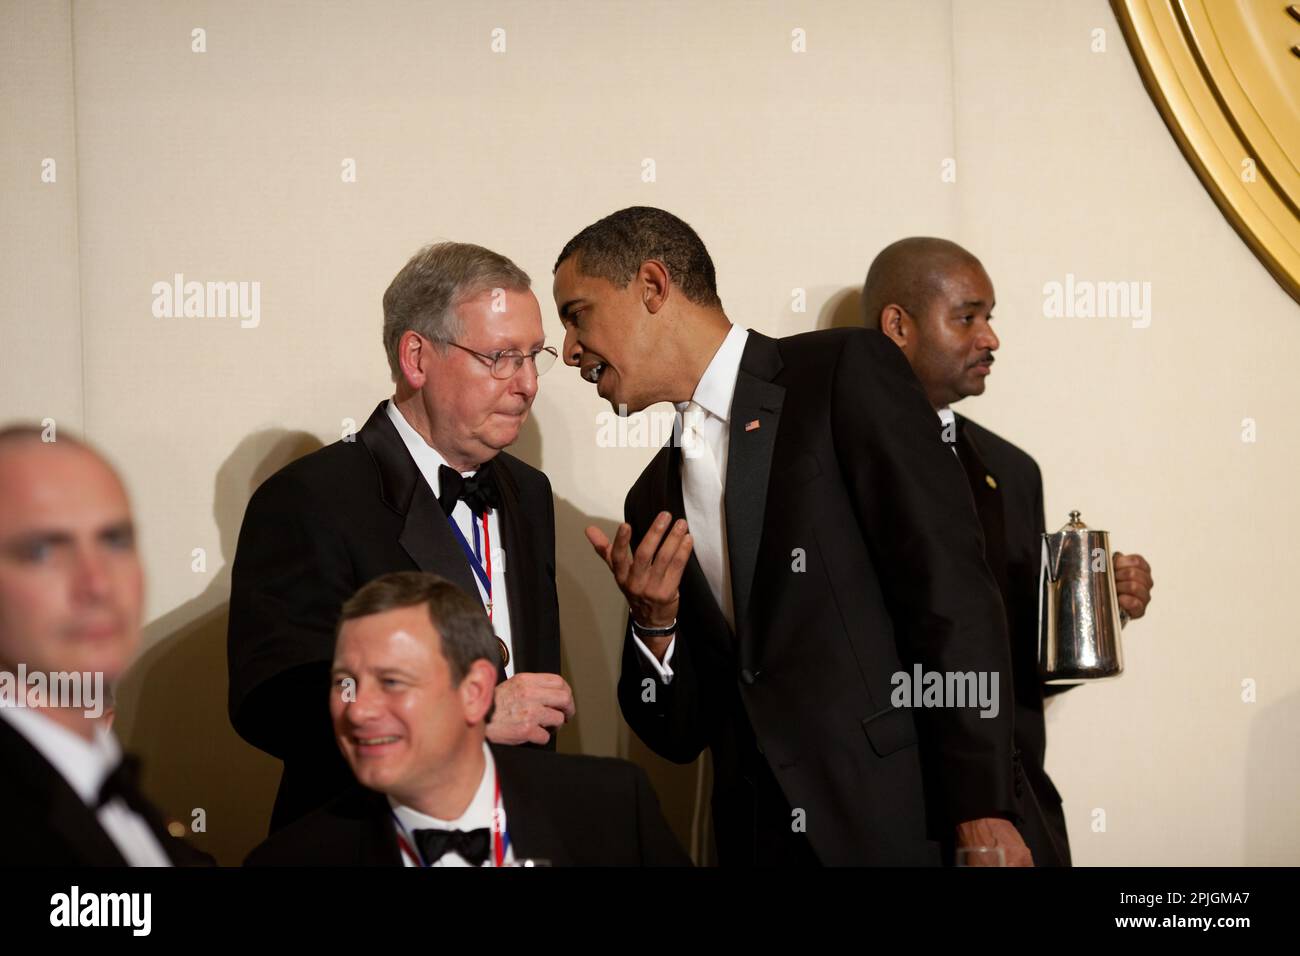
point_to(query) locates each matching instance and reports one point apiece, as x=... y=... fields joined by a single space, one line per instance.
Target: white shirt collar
x=477 y=815
x=427 y=458
x=84 y=764
x=947 y=416
x=718 y=383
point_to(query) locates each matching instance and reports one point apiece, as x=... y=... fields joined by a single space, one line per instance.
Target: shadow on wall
x=1273 y=770
x=171 y=706
x=843 y=310
x=593 y=615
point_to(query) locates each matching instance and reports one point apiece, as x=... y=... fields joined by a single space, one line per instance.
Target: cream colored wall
x=796 y=168
x=40 y=324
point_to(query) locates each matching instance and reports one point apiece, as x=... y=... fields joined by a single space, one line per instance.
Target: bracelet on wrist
x=643 y=632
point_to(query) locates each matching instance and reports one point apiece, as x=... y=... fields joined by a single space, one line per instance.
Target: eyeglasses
x=509 y=361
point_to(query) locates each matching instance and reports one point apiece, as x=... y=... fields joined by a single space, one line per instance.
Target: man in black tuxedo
x=809 y=542
x=424 y=485
x=935 y=301
x=71 y=598
x=413 y=678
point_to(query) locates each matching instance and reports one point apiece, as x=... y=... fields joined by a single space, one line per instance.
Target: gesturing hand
x=650 y=578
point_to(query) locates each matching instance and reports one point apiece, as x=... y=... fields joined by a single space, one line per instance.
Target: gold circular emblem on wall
x=1225 y=75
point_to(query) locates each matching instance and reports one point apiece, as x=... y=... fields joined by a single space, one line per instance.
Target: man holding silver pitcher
x=935 y=301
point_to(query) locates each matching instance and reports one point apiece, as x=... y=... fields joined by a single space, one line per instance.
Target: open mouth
x=366 y=743
x=592 y=373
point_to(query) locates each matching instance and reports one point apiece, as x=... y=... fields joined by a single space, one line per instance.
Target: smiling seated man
x=413 y=679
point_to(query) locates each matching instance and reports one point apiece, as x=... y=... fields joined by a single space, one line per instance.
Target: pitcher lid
x=1075 y=523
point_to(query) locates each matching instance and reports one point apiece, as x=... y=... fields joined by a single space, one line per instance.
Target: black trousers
x=753 y=823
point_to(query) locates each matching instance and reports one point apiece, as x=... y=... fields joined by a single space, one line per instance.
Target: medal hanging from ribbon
x=480 y=562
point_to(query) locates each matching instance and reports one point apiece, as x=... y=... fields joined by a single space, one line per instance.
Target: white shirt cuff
x=661 y=668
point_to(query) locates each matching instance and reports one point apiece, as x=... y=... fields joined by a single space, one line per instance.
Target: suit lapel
x=425 y=536
x=987 y=494
x=532 y=831
x=80 y=828
x=428 y=539
x=523 y=563
x=755 y=417
x=74 y=822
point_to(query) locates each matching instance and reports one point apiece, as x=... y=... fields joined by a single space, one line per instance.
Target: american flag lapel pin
x=752 y=426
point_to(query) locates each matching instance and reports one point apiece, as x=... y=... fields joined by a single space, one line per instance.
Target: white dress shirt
x=713 y=394
x=481 y=813
x=85 y=765
x=428 y=460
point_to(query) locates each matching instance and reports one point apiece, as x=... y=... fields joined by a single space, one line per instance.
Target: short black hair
x=909 y=273
x=614 y=248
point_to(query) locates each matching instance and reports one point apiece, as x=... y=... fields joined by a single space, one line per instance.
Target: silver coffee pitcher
x=1079 y=616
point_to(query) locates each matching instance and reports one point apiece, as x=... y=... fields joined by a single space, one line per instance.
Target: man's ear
x=896 y=323
x=413 y=355
x=653 y=283
x=478 y=691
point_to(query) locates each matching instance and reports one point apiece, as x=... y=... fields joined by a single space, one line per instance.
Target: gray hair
x=423 y=297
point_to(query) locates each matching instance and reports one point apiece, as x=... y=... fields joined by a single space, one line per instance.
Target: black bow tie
x=124 y=782
x=473 y=845
x=478 y=490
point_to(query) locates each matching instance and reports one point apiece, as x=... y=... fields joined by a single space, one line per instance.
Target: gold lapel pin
x=992 y=482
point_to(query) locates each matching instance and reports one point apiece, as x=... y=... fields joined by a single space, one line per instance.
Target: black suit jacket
x=854 y=554
x=46 y=823
x=313 y=534
x=1010 y=508
x=570 y=810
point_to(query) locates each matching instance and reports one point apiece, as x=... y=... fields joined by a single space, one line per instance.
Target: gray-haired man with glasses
x=425 y=485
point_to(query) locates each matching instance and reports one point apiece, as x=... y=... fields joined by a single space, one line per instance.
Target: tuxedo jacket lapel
x=524 y=562
x=80 y=827
x=755 y=417
x=75 y=824
x=987 y=494
x=532 y=831
x=425 y=536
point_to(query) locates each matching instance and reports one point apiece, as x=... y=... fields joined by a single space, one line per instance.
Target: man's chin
x=112 y=659
x=505 y=434
x=372 y=775
x=623 y=409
